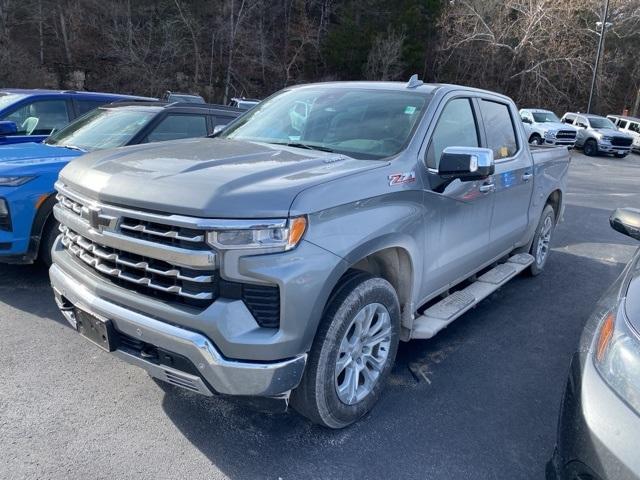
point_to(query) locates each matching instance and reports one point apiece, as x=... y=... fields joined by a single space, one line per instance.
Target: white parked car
x=629 y=125
x=543 y=127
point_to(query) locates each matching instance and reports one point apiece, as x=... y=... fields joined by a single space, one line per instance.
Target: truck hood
x=609 y=132
x=207 y=177
x=34 y=158
x=556 y=126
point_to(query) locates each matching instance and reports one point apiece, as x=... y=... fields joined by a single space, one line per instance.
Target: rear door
x=513 y=178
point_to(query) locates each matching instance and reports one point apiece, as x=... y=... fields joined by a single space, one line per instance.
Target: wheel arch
x=44 y=215
x=555 y=200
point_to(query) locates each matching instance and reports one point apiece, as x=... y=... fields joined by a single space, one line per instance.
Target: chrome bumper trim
x=230 y=377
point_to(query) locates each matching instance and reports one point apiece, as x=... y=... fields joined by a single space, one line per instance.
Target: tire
x=540 y=247
x=324 y=396
x=49 y=234
x=536 y=139
x=590 y=148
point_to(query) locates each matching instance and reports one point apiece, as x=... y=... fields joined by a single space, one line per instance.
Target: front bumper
x=216 y=374
x=608 y=148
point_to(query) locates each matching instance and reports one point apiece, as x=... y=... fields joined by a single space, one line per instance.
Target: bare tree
x=384 y=60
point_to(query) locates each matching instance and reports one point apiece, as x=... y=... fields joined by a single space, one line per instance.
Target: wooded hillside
x=540 y=52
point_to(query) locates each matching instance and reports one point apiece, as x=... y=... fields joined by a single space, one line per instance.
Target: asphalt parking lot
x=478 y=401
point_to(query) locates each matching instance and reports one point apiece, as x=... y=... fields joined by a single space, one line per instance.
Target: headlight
x=617 y=358
x=606 y=139
x=550 y=134
x=15 y=181
x=280 y=236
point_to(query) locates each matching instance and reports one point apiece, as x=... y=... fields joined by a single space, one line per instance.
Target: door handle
x=526 y=176
x=487 y=187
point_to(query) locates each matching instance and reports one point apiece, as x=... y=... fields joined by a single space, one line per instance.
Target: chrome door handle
x=526 y=176
x=487 y=187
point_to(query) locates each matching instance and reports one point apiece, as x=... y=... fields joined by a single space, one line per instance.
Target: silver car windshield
x=361 y=123
x=102 y=128
x=602 y=123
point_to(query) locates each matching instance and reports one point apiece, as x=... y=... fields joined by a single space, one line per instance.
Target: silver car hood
x=207 y=177
x=556 y=126
x=611 y=132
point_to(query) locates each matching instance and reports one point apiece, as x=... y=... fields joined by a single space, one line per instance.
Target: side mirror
x=466 y=163
x=8 y=128
x=526 y=120
x=217 y=129
x=627 y=221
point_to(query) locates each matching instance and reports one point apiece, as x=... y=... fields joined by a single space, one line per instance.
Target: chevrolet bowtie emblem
x=95 y=218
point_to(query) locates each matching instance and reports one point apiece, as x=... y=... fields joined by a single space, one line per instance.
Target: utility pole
x=636 y=106
x=598 y=53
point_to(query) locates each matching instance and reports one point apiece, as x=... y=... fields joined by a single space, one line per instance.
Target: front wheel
x=536 y=139
x=353 y=352
x=541 y=244
x=590 y=148
x=49 y=234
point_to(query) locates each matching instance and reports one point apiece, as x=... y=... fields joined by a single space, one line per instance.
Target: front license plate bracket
x=97 y=330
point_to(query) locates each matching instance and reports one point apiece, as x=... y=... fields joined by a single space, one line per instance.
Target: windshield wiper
x=70 y=147
x=307 y=146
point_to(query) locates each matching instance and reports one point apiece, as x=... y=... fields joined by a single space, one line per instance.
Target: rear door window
x=622 y=124
x=176 y=126
x=456 y=127
x=499 y=129
x=40 y=117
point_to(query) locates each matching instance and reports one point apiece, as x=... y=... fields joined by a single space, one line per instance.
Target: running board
x=440 y=315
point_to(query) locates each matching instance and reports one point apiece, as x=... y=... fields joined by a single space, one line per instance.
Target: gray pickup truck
x=287 y=257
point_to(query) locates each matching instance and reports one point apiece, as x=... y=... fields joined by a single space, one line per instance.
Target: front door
x=458 y=217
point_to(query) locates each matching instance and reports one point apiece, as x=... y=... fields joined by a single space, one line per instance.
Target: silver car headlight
x=606 y=139
x=550 y=134
x=617 y=357
x=15 y=181
x=273 y=236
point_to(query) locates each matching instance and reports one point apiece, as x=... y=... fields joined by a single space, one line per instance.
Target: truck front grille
x=566 y=135
x=621 y=141
x=168 y=261
x=143 y=274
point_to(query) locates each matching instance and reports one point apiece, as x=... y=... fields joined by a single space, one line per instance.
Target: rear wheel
x=541 y=245
x=590 y=148
x=353 y=352
x=49 y=234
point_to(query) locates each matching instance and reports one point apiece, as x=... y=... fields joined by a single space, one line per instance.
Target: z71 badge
x=402 y=178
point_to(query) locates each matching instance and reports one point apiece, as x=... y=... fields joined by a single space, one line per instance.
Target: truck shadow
x=491 y=382
x=27 y=288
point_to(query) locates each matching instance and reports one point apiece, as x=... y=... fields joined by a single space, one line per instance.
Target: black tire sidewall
x=546 y=212
x=328 y=409
x=535 y=139
x=49 y=235
x=590 y=148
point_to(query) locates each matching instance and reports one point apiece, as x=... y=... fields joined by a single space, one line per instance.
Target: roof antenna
x=414 y=81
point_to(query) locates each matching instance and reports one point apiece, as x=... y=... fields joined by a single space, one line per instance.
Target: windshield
x=601 y=123
x=366 y=124
x=545 y=117
x=7 y=99
x=102 y=128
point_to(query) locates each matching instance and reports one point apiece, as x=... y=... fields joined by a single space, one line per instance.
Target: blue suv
x=29 y=170
x=32 y=115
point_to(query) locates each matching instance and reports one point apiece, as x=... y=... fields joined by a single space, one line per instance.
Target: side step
x=440 y=315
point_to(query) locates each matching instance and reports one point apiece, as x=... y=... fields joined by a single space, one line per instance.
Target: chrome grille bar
x=170 y=233
x=86 y=250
